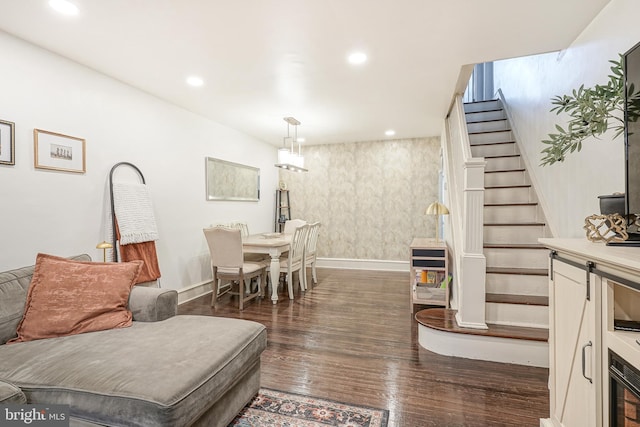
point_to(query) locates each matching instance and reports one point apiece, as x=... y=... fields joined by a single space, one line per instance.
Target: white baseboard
x=471 y=325
x=194 y=291
x=197 y=290
x=363 y=264
x=546 y=422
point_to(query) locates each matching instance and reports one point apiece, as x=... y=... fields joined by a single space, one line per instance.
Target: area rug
x=274 y=408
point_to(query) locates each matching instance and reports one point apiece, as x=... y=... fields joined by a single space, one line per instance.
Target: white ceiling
x=262 y=60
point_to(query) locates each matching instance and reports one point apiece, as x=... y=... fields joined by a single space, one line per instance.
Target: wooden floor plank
x=352 y=339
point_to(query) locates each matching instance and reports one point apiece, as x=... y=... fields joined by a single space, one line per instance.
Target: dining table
x=274 y=245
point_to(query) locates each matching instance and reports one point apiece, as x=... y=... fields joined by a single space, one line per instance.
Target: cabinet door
x=573 y=348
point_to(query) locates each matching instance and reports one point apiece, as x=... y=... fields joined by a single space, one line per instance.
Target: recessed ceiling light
x=357 y=58
x=390 y=132
x=195 y=81
x=63 y=6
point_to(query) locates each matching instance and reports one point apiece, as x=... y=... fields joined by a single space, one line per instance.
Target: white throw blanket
x=134 y=213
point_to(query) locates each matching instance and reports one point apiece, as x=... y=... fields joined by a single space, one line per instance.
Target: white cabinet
x=575 y=366
x=581 y=327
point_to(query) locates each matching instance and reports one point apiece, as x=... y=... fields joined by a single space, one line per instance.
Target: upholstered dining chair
x=291 y=225
x=310 y=255
x=293 y=261
x=242 y=226
x=228 y=264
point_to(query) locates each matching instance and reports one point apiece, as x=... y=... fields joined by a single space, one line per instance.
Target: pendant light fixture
x=287 y=157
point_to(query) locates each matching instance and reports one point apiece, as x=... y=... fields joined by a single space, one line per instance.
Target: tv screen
x=632 y=134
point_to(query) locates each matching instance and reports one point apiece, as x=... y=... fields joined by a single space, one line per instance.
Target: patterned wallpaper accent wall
x=369 y=196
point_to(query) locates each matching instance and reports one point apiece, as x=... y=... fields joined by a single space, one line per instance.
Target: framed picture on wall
x=7 y=143
x=59 y=152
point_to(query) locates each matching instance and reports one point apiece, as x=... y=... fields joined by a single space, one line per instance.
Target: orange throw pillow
x=68 y=297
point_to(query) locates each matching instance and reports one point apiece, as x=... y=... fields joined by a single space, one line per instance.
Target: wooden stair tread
x=507 y=186
x=480 y=144
x=480 y=132
x=514 y=246
x=504 y=170
x=517 y=299
x=480 y=102
x=443 y=319
x=486 y=120
x=502 y=156
x=519 y=271
x=512 y=204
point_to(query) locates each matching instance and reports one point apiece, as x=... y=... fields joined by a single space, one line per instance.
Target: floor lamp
x=437 y=208
x=104 y=246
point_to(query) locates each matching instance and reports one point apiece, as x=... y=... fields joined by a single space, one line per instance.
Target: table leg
x=274 y=275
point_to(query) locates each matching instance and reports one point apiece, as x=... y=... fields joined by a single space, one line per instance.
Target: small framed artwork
x=59 y=152
x=7 y=143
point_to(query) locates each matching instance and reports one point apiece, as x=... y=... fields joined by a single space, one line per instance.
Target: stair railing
x=465 y=177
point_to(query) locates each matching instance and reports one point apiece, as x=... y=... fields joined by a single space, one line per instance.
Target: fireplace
x=625 y=392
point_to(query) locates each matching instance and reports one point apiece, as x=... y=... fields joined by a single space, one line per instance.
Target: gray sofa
x=164 y=370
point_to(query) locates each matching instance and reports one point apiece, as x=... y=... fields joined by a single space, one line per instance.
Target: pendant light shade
x=287 y=157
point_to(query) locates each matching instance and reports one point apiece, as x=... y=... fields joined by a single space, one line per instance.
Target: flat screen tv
x=631 y=65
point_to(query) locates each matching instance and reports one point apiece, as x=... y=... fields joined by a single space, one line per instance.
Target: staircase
x=516 y=303
x=516 y=281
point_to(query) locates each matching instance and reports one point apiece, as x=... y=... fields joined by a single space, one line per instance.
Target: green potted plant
x=592 y=112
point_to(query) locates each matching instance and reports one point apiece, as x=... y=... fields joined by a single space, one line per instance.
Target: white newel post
x=471 y=305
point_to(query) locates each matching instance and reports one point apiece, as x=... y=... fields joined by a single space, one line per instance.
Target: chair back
x=298 y=242
x=312 y=239
x=242 y=226
x=291 y=225
x=225 y=247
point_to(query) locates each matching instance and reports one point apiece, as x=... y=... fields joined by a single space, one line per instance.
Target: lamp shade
x=104 y=245
x=437 y=208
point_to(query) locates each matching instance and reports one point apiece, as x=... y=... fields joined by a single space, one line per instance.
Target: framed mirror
x=231 y=181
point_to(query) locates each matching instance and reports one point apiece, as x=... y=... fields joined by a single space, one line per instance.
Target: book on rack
x=430 y=278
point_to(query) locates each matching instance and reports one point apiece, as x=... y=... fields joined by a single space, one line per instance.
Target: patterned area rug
x=278 y=409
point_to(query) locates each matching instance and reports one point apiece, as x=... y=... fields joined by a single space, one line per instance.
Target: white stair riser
x=482 y=106
x=505 y=178
x=503 y=163
x=503 y=350
x=485 y=115
x=532 y=316
x=494 y=150
x=516 y=258
x=525 y=213
x=487 y=138
x=517 y=284
x=513 y=234
x=489 y=126
x=508 y=195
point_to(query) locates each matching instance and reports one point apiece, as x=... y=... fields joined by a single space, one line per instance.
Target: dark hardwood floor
x=352 y=339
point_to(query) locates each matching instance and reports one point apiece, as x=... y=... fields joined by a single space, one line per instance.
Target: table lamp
x=437 y=208
x=104 y=246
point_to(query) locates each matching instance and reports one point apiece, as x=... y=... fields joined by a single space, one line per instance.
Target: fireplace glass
x=625 y=392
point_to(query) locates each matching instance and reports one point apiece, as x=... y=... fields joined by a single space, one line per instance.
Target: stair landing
x=444 y=320
x=439 y=332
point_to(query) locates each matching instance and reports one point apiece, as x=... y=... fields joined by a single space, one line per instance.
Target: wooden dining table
x=274 y=245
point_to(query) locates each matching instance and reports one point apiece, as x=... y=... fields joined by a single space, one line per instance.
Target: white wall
x=570 y=188
x=63 y=213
